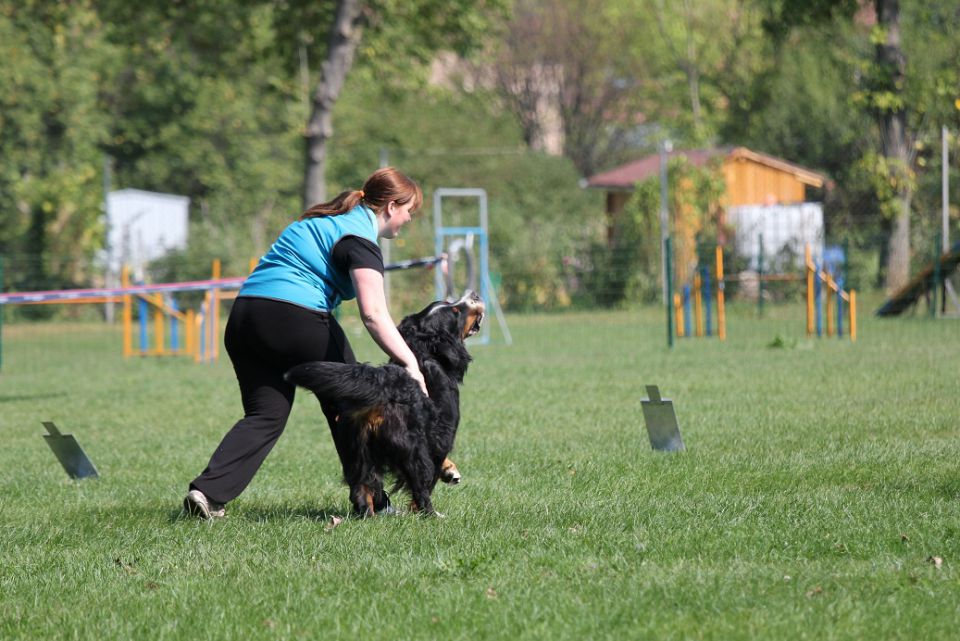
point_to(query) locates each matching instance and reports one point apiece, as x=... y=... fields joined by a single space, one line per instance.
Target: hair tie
x=361 y=194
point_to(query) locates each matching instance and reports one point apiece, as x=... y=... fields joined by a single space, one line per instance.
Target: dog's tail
x=362 y=384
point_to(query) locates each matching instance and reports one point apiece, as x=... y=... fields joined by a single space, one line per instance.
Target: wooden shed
x=752 y=178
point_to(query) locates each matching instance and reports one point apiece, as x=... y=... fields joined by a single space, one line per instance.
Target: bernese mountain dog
x=385 y=423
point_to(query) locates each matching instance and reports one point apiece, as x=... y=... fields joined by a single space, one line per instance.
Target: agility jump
x=699 y=294
x=825 y=302
x=199 y=329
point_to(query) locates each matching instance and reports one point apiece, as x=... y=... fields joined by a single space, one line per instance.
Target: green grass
x=819 y=479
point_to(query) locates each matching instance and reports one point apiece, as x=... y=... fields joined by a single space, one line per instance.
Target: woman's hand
x=414 y=371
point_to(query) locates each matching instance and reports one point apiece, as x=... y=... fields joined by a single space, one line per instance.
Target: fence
x=601 y=276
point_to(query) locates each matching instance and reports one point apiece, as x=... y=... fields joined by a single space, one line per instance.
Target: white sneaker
x=197 y=504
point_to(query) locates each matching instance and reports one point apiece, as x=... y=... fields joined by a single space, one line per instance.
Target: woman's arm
x=368 y=283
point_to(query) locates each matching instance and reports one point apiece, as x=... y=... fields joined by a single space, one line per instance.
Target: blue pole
x=707 y=294
x=484 y=279
x=144 y=312
x=686 y=311
x=438 y=238
x=174 y=342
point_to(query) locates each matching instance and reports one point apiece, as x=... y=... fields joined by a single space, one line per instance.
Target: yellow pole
x=215 y=314
x=253 y=264
x=678 y=314
x=853 y=316
x=810 y=287
x=721 y=313
x=698 y=305
x=198 y=330
x=159 y=338
x=127 y=313
x=829 y=306
x=188 y=332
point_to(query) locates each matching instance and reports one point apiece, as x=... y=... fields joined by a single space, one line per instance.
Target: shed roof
x=626 y=176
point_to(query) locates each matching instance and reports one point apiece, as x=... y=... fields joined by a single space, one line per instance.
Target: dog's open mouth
x=477 y=322
x=473 y=309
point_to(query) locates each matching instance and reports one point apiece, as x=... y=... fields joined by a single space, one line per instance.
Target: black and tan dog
x=385 y=422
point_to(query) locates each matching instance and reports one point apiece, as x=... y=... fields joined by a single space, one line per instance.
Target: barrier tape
x=78 y=295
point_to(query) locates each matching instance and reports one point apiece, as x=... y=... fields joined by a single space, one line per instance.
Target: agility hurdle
x=464 y=237
x=200 y=329
x=164 y=310
x=147 y=295
x=692 y=306
x=825 y=302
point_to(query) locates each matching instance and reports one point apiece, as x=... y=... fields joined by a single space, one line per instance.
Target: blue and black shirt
x=309 y=264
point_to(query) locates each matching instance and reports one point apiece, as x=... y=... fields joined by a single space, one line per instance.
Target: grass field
x=820 y=486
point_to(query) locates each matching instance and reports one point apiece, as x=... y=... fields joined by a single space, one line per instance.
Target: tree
x=51 y=127
x=895 y=69
x=345 y=34
x=613 y=78
x=894 y=136
x=711 y=66
x=560 y=68
x=202 y=104
x=404 y=33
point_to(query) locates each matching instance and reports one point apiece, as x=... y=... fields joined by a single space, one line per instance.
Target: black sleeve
x=352 y=252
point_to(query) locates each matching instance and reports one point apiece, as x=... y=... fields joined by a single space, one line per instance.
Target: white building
x=143 y=226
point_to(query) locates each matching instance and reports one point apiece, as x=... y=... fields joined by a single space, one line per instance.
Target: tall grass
x=819 y=496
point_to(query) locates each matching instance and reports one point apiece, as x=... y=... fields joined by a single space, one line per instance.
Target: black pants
x=264 y=339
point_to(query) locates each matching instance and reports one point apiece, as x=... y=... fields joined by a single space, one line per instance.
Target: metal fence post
x=937 y=279
x=760 y=279
x=3 y=309
x=668 y=277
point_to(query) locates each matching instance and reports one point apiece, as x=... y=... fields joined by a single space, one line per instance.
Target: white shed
x=786 y=230
x=143 y=226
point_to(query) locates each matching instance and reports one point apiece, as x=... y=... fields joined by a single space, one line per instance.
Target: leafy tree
x=816 y=124
x=540 y=219
x=51 y=129
x=893 y=70
x=399 y=30
x=886 y=97
x=629 y=269
x=620 y=75
x=702 y=52
x=561 y=70
x=203 y=106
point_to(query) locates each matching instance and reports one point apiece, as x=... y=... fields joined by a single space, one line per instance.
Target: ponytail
x=343 y=203
x=382 y=187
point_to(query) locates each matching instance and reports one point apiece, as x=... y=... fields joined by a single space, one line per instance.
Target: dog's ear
x=451 y=352
x=421 y=329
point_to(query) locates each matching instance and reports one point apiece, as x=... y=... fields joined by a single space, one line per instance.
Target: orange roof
x=625 y=177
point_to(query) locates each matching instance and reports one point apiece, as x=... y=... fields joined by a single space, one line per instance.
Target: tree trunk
x=691 y=69
x=342 y=44
x=892 y=62
x=693 y=84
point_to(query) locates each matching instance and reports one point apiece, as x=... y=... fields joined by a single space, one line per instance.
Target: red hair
x=381 y=188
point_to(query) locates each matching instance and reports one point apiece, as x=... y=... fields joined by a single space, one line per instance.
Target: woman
x=282 y=317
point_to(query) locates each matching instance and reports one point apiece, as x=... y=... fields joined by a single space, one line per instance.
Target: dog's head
x=462 y=318
x=439 y=330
